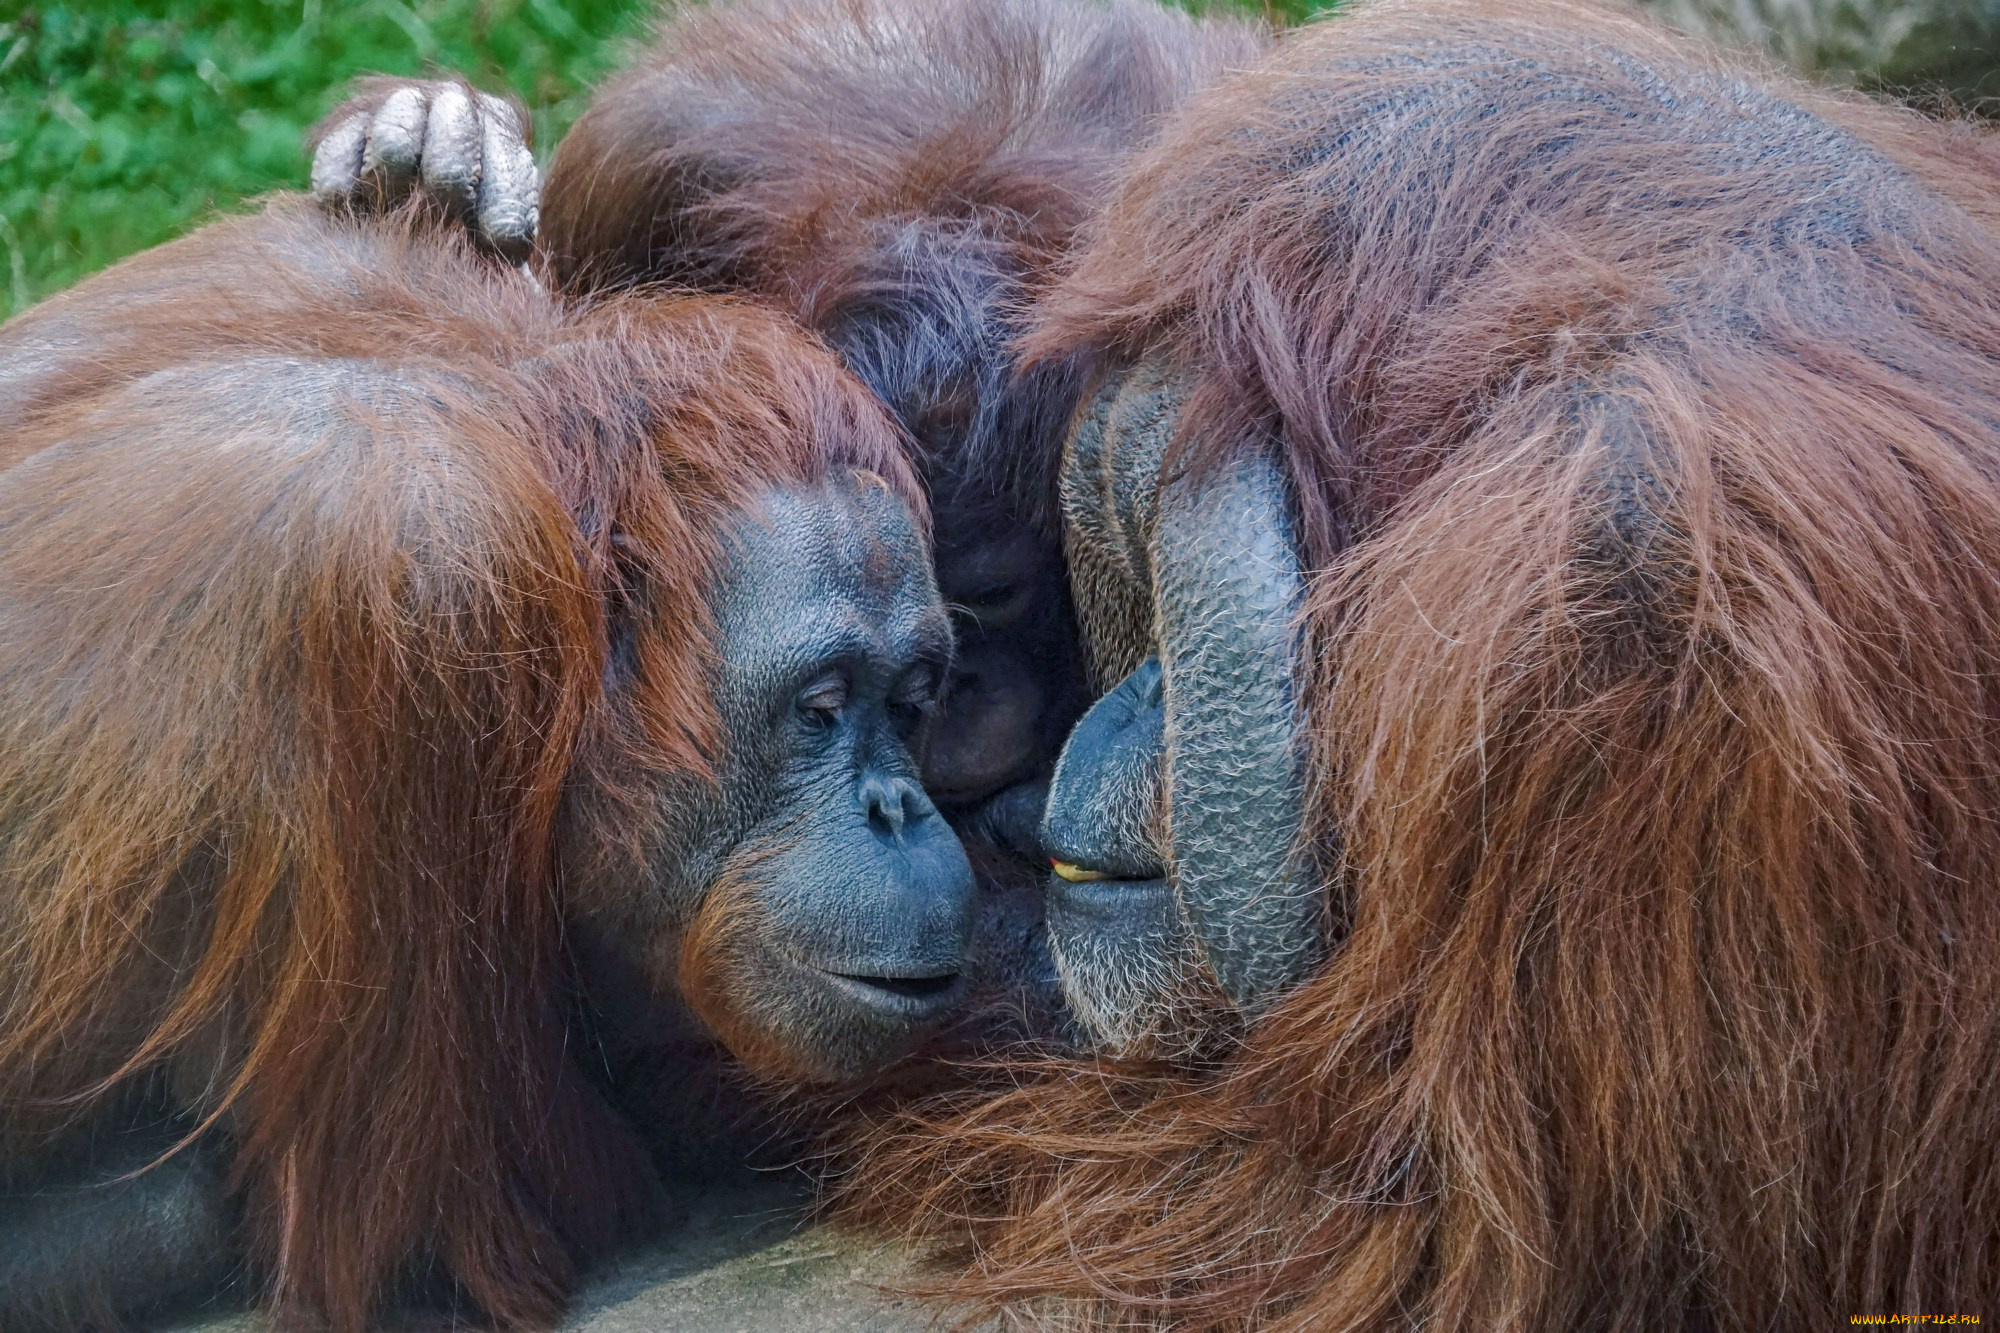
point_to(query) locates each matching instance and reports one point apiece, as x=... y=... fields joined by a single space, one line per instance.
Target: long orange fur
x=301 y=808
x=1651 y=486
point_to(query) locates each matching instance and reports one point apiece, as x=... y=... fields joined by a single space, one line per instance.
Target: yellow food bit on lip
x=1076 y=874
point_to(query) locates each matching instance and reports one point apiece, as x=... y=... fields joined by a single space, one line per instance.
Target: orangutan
x=1538 y=526
x=401 y=664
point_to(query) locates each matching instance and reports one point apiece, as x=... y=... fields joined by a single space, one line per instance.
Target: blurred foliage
x=125 y=122
x=1928 y=50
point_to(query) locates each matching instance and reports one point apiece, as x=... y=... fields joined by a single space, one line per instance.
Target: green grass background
x=124 y=122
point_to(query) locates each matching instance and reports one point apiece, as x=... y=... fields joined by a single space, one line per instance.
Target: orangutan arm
x=131 y=1231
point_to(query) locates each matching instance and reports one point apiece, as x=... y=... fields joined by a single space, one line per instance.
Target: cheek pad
x=1228 y=591
x=1206 y=575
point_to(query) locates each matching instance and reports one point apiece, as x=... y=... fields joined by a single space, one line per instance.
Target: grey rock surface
x=744 y=1259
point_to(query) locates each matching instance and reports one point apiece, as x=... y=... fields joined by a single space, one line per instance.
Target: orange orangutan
x=405 y=673
x=1535 y=866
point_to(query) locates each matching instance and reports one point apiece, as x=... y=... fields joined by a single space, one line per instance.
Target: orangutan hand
x=465 y=150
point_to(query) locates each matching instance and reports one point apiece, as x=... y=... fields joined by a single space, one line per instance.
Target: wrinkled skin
x=1637 y=419
x=1175 y=813
x=468 y=152
x=850 y=947
x=854 y=896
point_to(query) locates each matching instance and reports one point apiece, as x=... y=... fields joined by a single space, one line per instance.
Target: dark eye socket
x=820 y=702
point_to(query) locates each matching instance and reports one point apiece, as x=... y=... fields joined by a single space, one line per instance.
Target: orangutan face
x=1174 y=816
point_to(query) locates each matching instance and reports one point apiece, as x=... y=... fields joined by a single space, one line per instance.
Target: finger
x=451 y=151
x=336 y=164
x=509 y=189
x=396 y=141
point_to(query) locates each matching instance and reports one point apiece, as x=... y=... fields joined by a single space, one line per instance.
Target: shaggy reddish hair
x=1645 y=415
x=313 y=815
x=899 y=174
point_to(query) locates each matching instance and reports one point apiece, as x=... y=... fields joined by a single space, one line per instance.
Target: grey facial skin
x=1174 y=816
x=1122 y=950
x=850 y=899
x=852 y=894
x=1227 y=588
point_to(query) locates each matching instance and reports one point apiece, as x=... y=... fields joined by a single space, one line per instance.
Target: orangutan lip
x=902 y=997
x=1072 y=873
x=1106 y=898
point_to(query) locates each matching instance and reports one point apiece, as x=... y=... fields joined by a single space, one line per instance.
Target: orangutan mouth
x=908 y=998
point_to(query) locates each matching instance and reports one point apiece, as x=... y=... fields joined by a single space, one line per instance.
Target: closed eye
x=916 y=694
x=820 y=702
